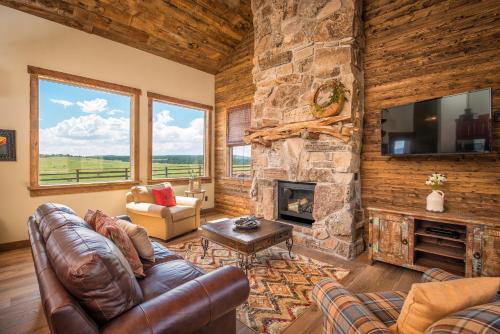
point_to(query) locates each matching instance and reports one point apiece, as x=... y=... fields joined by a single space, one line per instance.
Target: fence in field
x=86 y=174
x=177 y=171
x=171 y=171
x=240 y=170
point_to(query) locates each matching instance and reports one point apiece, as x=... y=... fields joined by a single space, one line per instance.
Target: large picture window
x=238 y=121
x=179 y=145
x=83 y=133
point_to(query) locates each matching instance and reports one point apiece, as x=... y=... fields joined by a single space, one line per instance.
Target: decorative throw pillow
x=107 y=226
x=139 y=238
x=137 y=234
x=164 y=197
x=429 y=302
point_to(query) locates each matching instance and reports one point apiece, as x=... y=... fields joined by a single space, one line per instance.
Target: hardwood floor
x=21 y=310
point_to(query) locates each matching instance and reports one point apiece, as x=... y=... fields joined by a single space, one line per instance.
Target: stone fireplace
x=300 y=45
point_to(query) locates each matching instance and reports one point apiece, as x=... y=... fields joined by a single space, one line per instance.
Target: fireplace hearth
x=296 y=202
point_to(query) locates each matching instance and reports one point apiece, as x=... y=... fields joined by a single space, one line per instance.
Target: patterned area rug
x=280 y=287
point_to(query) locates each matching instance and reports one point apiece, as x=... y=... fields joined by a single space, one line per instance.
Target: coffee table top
x=267 y=228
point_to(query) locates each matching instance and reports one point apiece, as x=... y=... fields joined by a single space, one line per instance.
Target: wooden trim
x=8 y=246
x=179 y=102
x=208 y=137
x=208 y=211
x=179 y=181
x=35 y=188
x=79 y=188
x=135 y=133
x=82 y=81
x=34 y=127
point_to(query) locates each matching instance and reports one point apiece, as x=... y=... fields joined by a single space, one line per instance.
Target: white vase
x=435 y=201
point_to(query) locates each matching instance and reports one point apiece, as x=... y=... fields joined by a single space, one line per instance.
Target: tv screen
x=451 y=124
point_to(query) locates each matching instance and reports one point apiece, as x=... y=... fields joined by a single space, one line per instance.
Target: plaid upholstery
x=384 y=305
x=344 y=313
x=483 y=319
x=438 y=275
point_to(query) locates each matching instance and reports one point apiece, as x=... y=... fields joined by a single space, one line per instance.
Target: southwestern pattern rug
x=280 y=287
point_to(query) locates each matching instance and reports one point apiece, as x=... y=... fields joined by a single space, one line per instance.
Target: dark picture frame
x=7 y=145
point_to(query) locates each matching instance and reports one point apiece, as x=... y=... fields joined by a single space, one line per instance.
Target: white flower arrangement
x=436 y=180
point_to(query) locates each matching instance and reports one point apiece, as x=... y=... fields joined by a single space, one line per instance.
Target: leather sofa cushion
x=47 y=208
x=180 y=212
x=166 y=276
x=57 y=219
x=161 y=255
x=94 y=271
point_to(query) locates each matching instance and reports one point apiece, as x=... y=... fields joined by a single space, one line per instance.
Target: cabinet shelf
x=422 y=232
x=453 y=252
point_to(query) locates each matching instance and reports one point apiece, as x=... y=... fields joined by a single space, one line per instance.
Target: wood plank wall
x=418 y=50
x=233 y=86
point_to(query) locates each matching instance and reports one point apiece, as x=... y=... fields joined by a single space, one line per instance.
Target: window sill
x=79 y=188
x=179 y=181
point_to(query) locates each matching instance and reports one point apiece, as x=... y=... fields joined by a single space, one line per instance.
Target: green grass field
x=68 y=169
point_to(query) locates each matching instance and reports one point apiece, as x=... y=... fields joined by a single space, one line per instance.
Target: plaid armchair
x=374 y=312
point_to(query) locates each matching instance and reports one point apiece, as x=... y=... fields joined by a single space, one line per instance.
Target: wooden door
x=483 y=251
x=390 y=238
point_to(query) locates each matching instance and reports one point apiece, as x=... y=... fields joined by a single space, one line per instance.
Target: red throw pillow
x=107 y=226
x=164 y=196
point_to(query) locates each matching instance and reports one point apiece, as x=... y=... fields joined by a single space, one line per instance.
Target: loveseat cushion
x=166 y=276
x=479 y=319
x=384 y=305
x=93 y=270
x=161 y=255
x=180 y=212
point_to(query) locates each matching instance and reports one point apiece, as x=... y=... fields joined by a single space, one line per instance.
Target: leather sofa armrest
x=344 y=312
x=188 y=307
x=188 y=201
x=148 y=209
x=129 y=197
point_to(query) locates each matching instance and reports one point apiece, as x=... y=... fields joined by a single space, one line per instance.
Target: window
x=238 y=121
x=83 y=133
x=179 y=142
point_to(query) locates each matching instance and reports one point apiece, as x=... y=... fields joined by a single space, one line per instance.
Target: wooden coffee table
x=246 y=243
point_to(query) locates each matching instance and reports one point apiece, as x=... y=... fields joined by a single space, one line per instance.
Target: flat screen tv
x=455 y=124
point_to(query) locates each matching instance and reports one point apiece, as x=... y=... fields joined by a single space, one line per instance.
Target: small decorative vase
x=435 y=201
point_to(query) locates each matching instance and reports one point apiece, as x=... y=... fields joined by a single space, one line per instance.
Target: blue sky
x=84 y=121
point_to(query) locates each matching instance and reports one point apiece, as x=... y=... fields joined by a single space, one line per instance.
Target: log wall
x=233 y=86
x=418 y=50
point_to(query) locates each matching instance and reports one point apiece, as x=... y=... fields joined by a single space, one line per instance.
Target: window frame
x=208 y=137
x=229 y=148
x=37 y=73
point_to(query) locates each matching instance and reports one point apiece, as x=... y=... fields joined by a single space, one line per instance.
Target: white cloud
x=172 y=139
x=87 y=135
x=64 y=103
x=96 y=105
x=115 y=111
x=96 y=135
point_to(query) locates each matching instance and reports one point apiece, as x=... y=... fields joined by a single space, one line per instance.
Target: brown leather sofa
x=174 y=297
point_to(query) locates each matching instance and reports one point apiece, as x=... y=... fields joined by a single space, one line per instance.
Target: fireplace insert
x=296 y=201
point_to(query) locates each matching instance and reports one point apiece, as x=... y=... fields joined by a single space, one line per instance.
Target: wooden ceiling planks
x=197 y=33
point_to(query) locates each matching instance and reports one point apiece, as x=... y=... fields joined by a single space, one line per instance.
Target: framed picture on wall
x=7 y=145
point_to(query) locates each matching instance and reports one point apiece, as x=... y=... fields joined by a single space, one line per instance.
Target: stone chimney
x=299 y=45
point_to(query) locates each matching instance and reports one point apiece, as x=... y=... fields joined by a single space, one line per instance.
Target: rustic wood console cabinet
x=418 y=239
